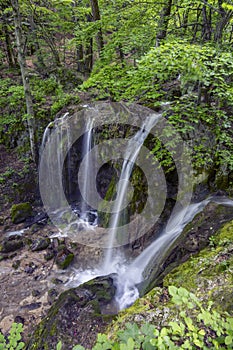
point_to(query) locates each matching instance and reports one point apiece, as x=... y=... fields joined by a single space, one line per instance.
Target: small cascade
x=69 y=144
x=87 y=172
x=54 y=154
x=140 y=269
x=132 y=151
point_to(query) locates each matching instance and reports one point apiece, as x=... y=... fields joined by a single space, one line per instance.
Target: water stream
x=87 y=170
x=122 y=187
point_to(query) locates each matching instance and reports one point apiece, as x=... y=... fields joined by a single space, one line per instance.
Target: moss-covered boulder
x=76 y=317
x=64 y=257
x=209 y=273
x=40 y=244
x=11 y=244
x=20 y=212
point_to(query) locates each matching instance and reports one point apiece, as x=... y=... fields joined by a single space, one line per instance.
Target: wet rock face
x=76 y=317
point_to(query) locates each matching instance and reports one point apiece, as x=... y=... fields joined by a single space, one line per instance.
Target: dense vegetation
x=144 y=51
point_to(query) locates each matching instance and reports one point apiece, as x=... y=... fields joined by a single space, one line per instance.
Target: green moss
x=20 y=212
x=11 y=245
x=226 y=234
x=208 y=274
x=66 y=261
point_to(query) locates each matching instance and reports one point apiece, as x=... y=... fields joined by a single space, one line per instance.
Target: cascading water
x=55 y=161
x=87 y=171
x=139 y=269
x=122 y=187
x=129 y=273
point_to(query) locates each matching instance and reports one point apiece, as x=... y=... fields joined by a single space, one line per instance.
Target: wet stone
x=40 y=244
x=49 y=255
x=76 y=317
x=11 y=244
x=16 y=264
x=30 y=269
x=64 y=257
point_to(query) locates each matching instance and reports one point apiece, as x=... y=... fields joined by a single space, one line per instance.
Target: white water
x=87 y=170
x=55 y=161
x=128 y=164
x=130 y=274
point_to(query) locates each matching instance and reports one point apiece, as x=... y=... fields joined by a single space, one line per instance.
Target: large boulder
x=77 y=317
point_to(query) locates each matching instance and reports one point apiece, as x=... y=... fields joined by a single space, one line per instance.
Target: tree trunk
x=96 y=17
x=36 y=43
x=164 y=20
x=9 y=51
x=80 y=59
x=224 y=20
x=25 y=78
x=206 y=28
x=88 y=62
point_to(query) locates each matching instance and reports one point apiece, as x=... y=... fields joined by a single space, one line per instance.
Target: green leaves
x=181 y=296
x=14 y=338
x=193 y=328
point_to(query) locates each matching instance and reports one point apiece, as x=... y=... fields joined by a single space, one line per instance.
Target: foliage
x=196 y=327
x=49 y=97
x=198 y=81
x=13 y=341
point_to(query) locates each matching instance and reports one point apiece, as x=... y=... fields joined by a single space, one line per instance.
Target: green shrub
x=196 y=327
x=13 y=341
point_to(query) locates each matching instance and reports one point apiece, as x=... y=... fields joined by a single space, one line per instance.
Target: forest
x=173 y=57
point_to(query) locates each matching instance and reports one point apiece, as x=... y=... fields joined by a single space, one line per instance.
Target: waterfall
x=129 y=272
x=54 y=155
x=123 y=183
x=87 y=171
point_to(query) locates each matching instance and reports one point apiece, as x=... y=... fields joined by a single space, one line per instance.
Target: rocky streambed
x=36 y=267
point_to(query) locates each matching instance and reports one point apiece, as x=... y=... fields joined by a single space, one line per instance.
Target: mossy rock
x=11 y=244
x=76 y=317
x=208 y=273
x=20 y=212
x=64 y=257
x=40 y=244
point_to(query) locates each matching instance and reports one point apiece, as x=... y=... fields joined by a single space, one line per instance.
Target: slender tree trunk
x=224 y=19
x=96 y=17
x=36 y=43
x=88 y=62
x=185 y=20
x=80 y=59
x=25 y=78
x=195 y=27
x=206 y=28
x=164 y=20
x=9 y=51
